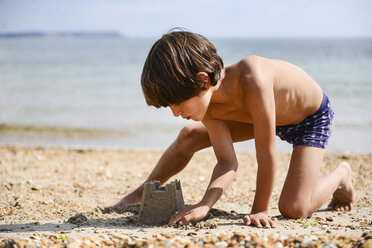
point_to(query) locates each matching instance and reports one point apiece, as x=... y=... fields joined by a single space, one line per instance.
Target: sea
x=85 y=92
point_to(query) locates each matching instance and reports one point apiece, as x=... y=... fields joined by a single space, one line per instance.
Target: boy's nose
x=176 y=112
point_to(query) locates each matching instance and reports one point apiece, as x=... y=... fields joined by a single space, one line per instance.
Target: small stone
x=168 y=242
x=119 y=236
x=233 y=213
x=307 y=242
x=329 y=219
x=221 y=244
x=210 y=239
x=9 y=186
x=352 y=227
x=168 y=235
x=208 y=246
x=108 y=242
x=367 y=244
x=278 y=244
x=192 y=234
x=239 y=236
x=283 y=237
x=14 y=204
x=95 y=240
x=367 y=235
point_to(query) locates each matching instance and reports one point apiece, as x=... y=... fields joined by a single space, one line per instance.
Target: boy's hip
x=314 y=130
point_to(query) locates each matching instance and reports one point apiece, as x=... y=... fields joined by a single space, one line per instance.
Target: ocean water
x=85 y=92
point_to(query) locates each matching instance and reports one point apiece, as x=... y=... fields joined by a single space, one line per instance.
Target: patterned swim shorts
x=314 y=130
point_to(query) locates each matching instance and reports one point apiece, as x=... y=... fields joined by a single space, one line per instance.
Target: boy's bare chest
x=235 y=111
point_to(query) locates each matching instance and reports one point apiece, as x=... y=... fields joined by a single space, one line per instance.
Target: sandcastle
x=159 y=203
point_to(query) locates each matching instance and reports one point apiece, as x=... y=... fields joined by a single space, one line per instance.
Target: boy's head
x=169 y=75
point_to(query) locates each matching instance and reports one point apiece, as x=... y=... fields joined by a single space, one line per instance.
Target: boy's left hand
x=260 y=219
x=190 y=213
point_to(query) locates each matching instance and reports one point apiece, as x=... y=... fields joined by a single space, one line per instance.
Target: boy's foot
x=130 y=199
x=343 y=197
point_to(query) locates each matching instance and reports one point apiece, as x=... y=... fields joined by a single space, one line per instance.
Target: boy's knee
x=185 y=133
x=293 y=210
x=192 y=137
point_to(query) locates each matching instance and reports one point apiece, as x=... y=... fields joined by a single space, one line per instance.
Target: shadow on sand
x=110 y=218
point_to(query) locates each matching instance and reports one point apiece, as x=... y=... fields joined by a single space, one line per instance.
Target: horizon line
x=121 y=34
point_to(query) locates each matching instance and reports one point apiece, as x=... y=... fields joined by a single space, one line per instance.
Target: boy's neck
x=217 y=90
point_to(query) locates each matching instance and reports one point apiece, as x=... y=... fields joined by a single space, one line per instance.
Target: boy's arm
x=222 y=176
x=261 y=104
x=227 y=164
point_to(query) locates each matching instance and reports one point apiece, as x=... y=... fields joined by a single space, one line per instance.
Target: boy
x=256 y=98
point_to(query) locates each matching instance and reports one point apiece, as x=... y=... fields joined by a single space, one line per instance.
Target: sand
x=60 y=195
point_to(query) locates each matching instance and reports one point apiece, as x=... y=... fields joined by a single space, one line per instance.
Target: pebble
x=221 y=244
x=192 y=233
x=331 y=245
x=221 y=240
x=278 y=244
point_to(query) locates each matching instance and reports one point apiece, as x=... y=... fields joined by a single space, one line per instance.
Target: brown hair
x=169 y=73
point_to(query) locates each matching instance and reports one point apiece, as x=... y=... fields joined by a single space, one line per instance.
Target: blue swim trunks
x=314 y=130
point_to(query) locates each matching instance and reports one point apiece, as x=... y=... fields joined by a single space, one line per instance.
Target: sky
x=217 y=18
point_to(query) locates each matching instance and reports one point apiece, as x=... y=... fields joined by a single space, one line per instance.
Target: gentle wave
x=7 y=129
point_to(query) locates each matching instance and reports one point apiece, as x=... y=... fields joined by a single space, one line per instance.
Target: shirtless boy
x=256 y=98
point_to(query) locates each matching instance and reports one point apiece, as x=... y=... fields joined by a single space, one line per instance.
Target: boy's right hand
x=260 y=219
x=190 y=213
x=130 y=199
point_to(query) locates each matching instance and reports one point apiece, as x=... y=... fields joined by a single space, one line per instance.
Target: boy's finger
x=265 y=223
x=257 y=223
x=170 y=222
x=185 y=219
x=272 y=223
x=337 y=207
x=247 y=220
x=175 y=218
x=350 y=206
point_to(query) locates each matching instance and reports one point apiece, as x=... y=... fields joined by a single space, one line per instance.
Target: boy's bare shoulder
x=254 y=71
x=250 y=62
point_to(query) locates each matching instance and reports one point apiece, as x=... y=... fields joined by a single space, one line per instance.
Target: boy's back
x=296 y=94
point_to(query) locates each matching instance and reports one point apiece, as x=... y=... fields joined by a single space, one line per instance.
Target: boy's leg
x=304 y=191
x=191 y=139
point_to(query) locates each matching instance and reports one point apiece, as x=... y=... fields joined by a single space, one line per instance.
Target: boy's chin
x=196 y=119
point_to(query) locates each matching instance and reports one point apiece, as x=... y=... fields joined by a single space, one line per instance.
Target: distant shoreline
x=76 y=34
x=115 y=34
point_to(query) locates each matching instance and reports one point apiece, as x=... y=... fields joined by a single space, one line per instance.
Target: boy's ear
x=203 y=76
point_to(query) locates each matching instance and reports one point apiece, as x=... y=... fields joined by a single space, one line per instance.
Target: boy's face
x=194 y=108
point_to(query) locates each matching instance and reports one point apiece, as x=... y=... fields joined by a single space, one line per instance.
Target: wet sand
x=56 y=196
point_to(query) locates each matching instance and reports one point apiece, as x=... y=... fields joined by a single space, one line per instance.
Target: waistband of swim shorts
x=323 y=105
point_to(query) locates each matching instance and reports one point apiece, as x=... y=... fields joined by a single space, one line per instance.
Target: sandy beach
x=53 y=197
